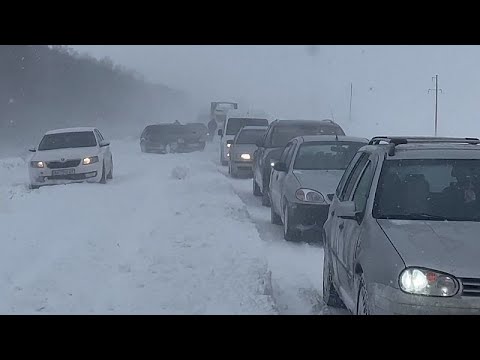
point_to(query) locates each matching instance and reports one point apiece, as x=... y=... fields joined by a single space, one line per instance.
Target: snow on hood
x=324 y=181
x=449 y=246
x=71 y=153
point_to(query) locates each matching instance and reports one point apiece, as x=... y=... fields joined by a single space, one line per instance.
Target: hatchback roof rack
x=401 y=140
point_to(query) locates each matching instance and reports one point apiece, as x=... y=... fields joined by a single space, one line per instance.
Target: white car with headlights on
x=71 y=155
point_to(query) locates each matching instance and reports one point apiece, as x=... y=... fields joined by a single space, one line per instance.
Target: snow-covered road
x=169 y=235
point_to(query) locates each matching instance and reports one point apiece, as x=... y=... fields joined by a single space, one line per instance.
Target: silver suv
x=401 y=236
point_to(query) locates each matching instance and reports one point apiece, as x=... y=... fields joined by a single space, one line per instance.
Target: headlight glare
x=428 y=282
x=245 y=156
x=90 y=160
x=37 y=164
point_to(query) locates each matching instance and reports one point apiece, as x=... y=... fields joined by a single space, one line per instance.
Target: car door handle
x=341 y=226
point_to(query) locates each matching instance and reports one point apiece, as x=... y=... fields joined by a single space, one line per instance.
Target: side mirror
x=220 y=132
x=330 y=196
x=230 y=142
x=280 y=166
x=346 y=210
x=104 y=143
x=259 y=143
x=32 y=150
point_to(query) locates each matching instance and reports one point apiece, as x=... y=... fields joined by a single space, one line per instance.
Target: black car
x=279 y=133
x=173 y=138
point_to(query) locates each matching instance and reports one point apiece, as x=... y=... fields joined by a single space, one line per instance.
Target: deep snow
x=167 y=236
x=171 y=234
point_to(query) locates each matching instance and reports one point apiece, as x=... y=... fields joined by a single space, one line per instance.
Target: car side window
x=352 y=179
x=347 y=173
x=288 y=160
x=360 y=196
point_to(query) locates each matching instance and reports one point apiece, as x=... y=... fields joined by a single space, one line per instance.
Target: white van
x=234 y=121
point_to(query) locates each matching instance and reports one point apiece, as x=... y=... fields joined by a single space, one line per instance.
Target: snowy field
x=171 y=234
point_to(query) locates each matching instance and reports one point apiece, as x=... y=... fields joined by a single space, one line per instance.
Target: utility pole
x=351 y=96
x=435 y=78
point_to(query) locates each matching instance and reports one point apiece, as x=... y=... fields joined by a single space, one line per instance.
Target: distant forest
x=45 y=87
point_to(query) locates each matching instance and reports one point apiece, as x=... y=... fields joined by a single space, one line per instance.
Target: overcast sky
x=390 y=83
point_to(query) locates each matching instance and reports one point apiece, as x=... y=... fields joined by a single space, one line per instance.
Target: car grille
x=471 y=287
x=63 y=165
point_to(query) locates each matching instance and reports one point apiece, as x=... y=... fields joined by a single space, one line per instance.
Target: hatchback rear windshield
x=429 y=189
x=68 y=140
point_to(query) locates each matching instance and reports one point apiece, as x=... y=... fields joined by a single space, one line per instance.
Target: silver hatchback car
x=401 y=236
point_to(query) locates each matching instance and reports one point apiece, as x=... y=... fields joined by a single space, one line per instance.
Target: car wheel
x=34 y=187
x=288 y=233
x=202 y=146
x=103 y=179
x=256 y=188
x=362 y=302
x=142 y=148
x=274 y=217
x=330 y=295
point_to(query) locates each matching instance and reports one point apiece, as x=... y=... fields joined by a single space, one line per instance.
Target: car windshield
x=250 y=136
x=429 y=189
x=281 y=135
x=235 y=124
x=68 y=140
x=326 y=155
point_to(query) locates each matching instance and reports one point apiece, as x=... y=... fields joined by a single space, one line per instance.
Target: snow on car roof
x=69 y=130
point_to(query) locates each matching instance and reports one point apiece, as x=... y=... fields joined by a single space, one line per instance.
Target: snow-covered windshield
x=250 y=136
x=235 y=124
x=283 y=134
x=325 y=155
x=429 y=189
x=68 y=140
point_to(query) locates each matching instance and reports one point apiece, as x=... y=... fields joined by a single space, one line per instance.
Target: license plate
x=63 y=172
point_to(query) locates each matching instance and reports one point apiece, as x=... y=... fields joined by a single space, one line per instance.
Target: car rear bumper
x=386 y=300
x=308 y=216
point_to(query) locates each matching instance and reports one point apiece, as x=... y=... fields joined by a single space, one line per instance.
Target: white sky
x=390 y=82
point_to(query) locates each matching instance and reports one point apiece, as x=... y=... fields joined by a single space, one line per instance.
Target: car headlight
x=308 y=195
x=37 y=164
x=245 y=156
x=90 y=160
x=428 y=282
x=228 y=145
x=272 y=164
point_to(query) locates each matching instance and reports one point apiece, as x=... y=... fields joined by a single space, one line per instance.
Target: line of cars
x=397 y=216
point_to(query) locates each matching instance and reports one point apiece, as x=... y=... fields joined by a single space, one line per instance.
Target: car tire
x=288 y=233
x=330 y=295
x=202 y=146
x=275 y=219
x=110 y=174
x=33 y=187
x=362 y=301
x=256 y=188
x=232 y=172
x=103 y=179
x=142 y=148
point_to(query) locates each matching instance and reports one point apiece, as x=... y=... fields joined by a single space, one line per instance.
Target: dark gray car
x=401 y=236
x=242 y=147
x=309 y=168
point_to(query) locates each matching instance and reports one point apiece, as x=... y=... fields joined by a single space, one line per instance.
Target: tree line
x=44 y=87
